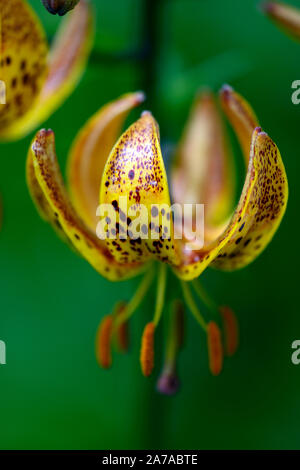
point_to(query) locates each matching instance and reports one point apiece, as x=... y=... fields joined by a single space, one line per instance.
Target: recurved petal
x=49 y=178
x=256 y=219
x=285 y=16
x=41 y=204
x=66 y=63
x=135 y=185
x=241 y=117
x=90 y=152
x=59 y=7
x=203 y=171
x=23 y=65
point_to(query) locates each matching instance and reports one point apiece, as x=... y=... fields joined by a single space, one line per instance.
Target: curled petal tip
x=60 y=7
x=43 y=134
x=47 y=132
x=168 y=384
x=41 y=139
x=266 y=7
x=140 y=96
x=146 y=114
x=286 y=17
x=226 y=90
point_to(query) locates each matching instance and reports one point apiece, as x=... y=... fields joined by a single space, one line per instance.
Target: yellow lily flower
x=284 y=16
x=34 y=80
x=133 y=169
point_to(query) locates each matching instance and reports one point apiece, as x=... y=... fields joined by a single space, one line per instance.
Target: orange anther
x=231 y=330
x=103 y=342
x=147 y=349
x=215 y=348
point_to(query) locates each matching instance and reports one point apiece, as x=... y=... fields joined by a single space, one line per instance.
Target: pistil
x=168 y=381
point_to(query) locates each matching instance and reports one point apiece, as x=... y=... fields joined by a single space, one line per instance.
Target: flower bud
x=60 y=7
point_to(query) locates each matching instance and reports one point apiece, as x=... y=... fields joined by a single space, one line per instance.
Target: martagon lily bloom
x=34 y=81
x=133 y=168
x=284 y=16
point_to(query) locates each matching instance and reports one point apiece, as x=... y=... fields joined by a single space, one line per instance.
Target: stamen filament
x=204 y=296
x=136 y=300
x=122 y=334
x=160 y=295
x=192 y=305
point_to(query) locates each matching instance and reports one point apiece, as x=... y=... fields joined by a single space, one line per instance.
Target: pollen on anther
x=215 y=348
x=231 y=330
x=103 y=342
x=147 y=349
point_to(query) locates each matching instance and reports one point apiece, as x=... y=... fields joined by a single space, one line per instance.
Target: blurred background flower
x=53 y=394
x=285 y=16
x=37 y=80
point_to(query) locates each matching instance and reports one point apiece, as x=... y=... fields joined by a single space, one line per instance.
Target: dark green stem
x=152 y=14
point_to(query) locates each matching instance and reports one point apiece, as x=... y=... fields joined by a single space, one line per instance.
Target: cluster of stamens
x=221 y=333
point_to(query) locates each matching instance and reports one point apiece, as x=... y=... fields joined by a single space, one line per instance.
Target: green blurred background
x=52 y=393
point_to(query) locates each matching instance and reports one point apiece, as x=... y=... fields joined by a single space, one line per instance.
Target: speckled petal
x=284 y=16
x=135 y=171
x=67 y=60
x=23 y=53
x=44 y=209
x=241 y=116
x=203 y=171
x=90 y=152
x=256 y=219
x=85 y=241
